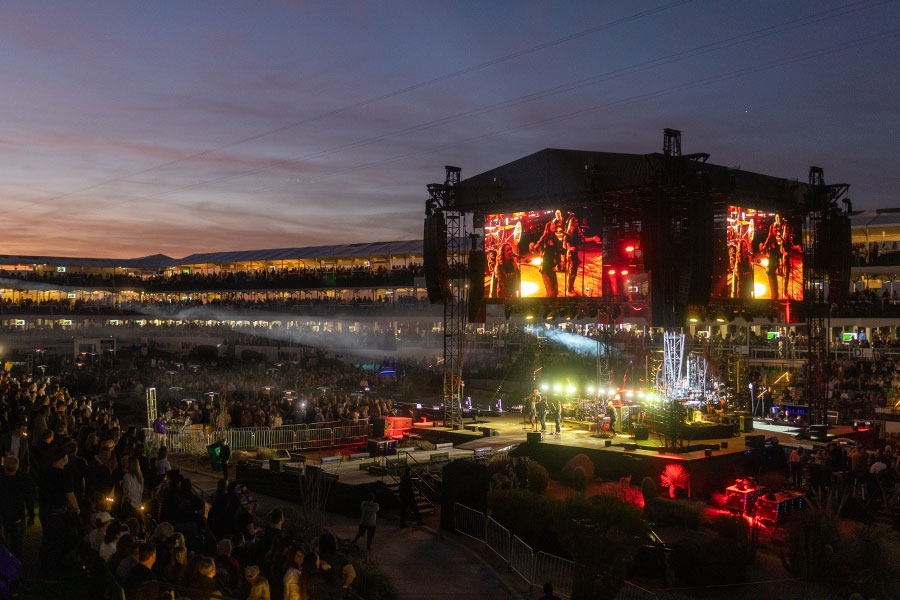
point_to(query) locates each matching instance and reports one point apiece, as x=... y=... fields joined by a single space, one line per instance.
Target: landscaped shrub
x=812 y=535
x=538 y=477
x=578 y=472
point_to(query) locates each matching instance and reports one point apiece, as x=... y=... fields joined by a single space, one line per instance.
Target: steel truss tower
x=443 y=195
x=823 y=209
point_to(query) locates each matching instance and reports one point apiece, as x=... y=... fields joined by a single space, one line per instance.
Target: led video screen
x=765 y=256
x=542 y=254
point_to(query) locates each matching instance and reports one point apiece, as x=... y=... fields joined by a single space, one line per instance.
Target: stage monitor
x=765 y=257
x=544 y=254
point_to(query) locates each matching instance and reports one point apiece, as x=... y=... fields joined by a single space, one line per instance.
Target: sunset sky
x=131 y=128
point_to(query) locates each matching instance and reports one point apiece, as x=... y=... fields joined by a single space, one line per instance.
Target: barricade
x=324 y=425
x=468 y=521
x=559 y=571
x=521 y=558
x=629 y=591
x=313 y=438
x=186 y=441
x=351 y=434
x=497 y=537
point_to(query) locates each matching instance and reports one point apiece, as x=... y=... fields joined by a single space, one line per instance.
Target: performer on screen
x=773 y=250
x=574 y=243
x=550 y=247
x=506 y=274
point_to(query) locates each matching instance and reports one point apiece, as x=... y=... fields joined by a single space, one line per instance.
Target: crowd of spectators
x=876 y=253
x=198 y=306
x=116 y=522
x=262 y=279
x=872 y=476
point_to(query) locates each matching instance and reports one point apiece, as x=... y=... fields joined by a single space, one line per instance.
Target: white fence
x=290 y=437
x=535 y=569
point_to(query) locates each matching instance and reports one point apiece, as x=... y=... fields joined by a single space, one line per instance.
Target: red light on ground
x=624 y=272
x=629 y=248
x=612 y=271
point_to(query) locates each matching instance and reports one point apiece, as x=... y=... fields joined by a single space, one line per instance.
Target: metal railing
x=468 y=521
x=497 y=538
x=560 y=571
x=521 y=559
x=534 y=568
x=287 y=437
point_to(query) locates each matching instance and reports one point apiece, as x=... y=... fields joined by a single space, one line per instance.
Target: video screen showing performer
x=542 y=254
x=765 y=256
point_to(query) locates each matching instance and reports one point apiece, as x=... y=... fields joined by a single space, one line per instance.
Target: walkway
x=419 y=561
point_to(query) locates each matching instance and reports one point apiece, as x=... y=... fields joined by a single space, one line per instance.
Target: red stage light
x=629 y=248
x=624 y=271
x=612 y=271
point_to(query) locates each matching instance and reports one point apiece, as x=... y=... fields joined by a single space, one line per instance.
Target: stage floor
x=511 y=432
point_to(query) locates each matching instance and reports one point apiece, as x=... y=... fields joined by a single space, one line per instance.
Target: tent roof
x=159 y=261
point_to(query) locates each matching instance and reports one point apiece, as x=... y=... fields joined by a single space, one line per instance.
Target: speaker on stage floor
x=534 y=437
x=746 y=424
x=641 y=433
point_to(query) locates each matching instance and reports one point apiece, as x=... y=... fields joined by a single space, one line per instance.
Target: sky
x=133 y=128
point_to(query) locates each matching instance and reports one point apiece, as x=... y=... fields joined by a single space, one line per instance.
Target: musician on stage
x=574 y=243
x=506 y=274
x=530 y=406
x=611 y=413
x=541 y=406
x=550 y=247
x=556 y=413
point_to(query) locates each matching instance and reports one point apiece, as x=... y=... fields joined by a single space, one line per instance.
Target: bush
x=663 y=511
x=649 y=491
x=578 y=472
x=812 y=535
x=538 y=477
x=872 y=559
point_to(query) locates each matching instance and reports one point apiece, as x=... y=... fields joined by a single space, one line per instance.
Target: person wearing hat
x=94 y=538
x=257 y=584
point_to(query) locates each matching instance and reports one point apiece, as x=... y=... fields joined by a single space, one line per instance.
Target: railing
x=468 y=521
x=534 y=568
x=560 y=571
x=287 y=437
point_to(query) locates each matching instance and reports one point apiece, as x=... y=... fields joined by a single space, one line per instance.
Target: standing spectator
x=141 y=583
x=293 y=582
x=15 y=443
x=369 y=511
x=162 y=467
x=133 y=490
x=16 y=504
x=57 y=502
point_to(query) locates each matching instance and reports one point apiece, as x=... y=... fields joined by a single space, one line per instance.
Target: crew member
x=611 y=413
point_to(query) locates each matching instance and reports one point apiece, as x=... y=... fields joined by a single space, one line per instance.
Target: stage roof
x=161 y=261
x=553 y=177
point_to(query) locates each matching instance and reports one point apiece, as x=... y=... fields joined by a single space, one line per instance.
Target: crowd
x=262 y=279
x=116 y=522
x=873 y=476
x=198 y=305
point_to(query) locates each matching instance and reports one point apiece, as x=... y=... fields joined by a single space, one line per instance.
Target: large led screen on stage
x=542 y=254
x=765 y=257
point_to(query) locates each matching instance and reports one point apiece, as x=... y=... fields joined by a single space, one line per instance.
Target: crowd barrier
x=290 y=437
x=534 y=568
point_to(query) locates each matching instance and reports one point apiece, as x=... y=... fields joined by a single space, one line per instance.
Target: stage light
x=545 y=386
x=629 y=394
x=764 y=262
x=590 y=389
x=623 y=272
x=641 y=395
x=557 y=388
x=529 y=317
x=612 y=271
x=537 y=261
x=629 y=248
x=759 y=290
x=570 y=389
x=693 y=319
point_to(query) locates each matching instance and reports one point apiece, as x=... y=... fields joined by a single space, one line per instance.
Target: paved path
x=419 y=561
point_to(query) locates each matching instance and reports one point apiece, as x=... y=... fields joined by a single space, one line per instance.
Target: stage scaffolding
x=444 y=197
